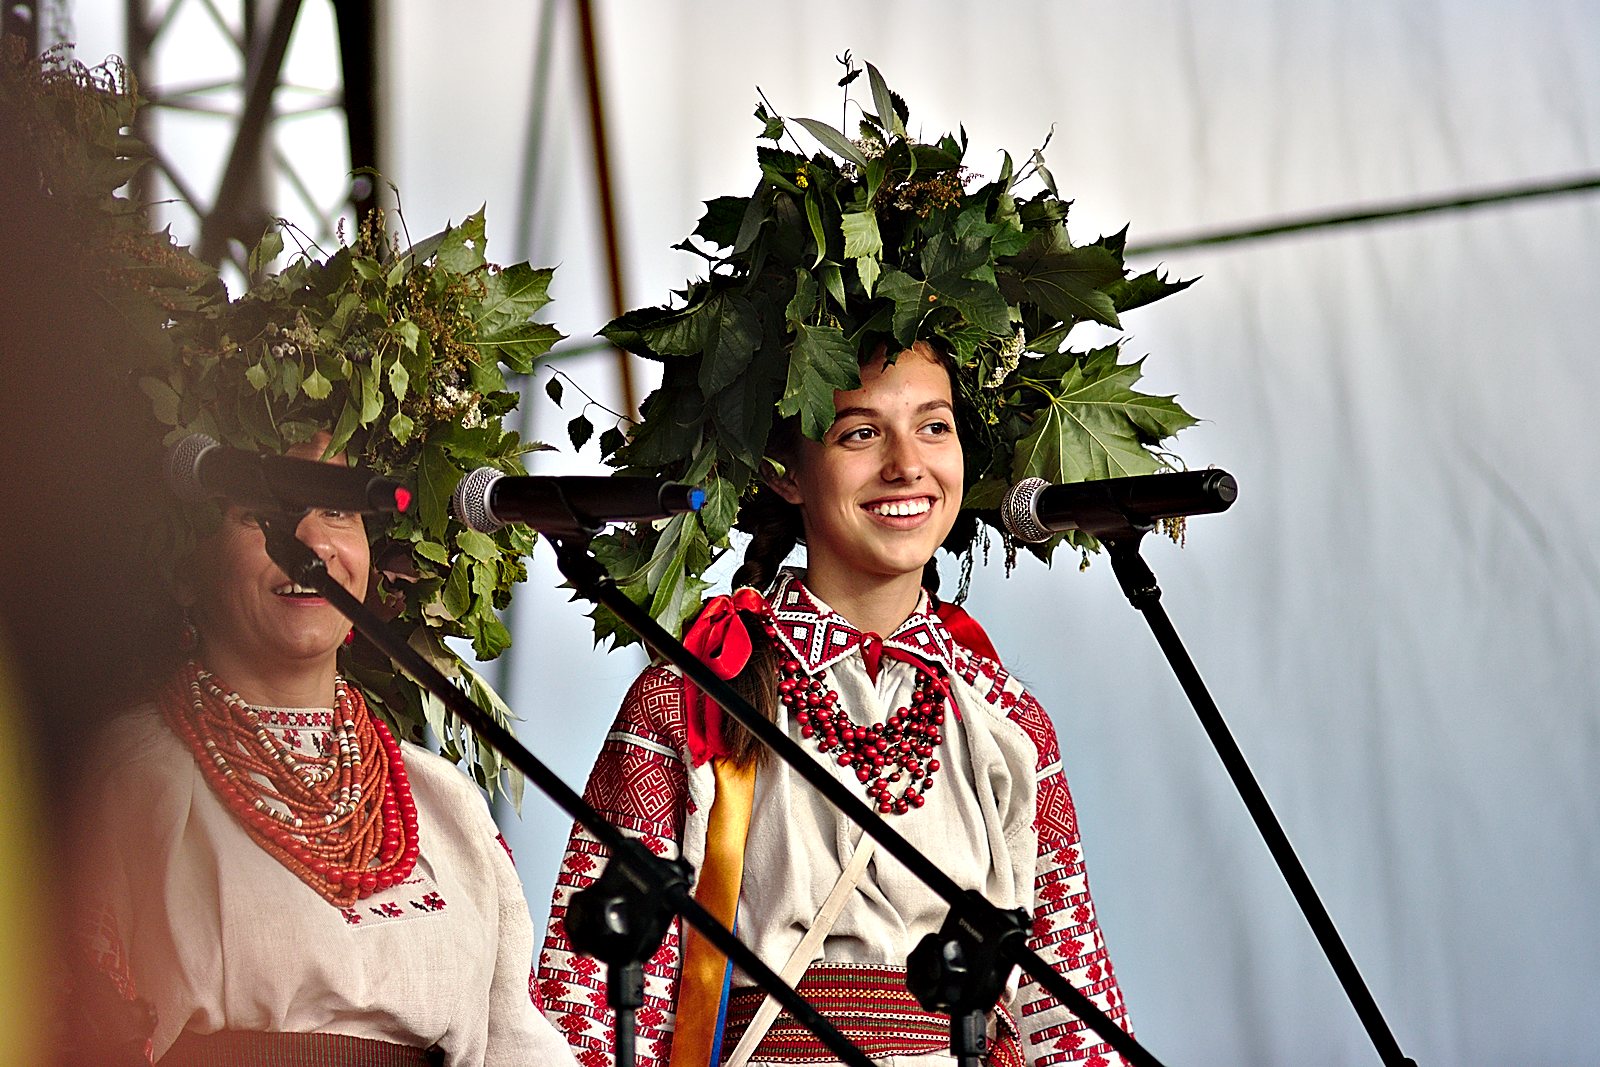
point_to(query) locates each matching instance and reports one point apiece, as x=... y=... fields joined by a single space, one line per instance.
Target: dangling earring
x=188 y=637
x=350 y=638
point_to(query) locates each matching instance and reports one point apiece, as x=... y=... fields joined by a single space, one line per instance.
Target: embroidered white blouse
x=981 y=835
x=215 y=934
x=999 y=819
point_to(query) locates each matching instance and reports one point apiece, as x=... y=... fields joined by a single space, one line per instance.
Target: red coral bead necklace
x=345 y=824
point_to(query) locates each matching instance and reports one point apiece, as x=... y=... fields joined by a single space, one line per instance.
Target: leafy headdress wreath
x=876 y=240
x=401 y=353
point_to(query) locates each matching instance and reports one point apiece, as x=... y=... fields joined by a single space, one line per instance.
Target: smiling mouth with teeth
x=293 y=589
x=902 y=508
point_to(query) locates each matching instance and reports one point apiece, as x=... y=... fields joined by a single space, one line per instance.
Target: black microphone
x=198 y=468
x=1033 y=510
x=487 y=500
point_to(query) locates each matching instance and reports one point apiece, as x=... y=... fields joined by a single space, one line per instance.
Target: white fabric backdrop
x=1398 y=618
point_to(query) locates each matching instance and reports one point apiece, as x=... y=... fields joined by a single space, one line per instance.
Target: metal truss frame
x=231 y=217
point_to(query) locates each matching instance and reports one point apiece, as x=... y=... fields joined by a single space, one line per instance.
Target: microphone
x=198 y=468
x=573 y=504
x=1033 y=510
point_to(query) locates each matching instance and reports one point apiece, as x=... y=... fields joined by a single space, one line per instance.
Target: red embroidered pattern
x=869 y=1005
x=430 y=902
x=1026 y=713
x=643 y=790
x=638 y=787
x=820 y=640
x=306 y=731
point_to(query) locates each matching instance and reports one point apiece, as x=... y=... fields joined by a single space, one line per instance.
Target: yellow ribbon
x=705 y=968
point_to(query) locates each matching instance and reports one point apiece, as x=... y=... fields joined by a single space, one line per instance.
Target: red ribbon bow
x=873 y=652
x=719 y=638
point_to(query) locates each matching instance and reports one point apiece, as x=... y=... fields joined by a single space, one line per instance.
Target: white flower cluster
x=1006 y=359
x=869 y=147
x=453 y=400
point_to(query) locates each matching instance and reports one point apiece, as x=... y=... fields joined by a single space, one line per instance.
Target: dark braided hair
x=775 y=528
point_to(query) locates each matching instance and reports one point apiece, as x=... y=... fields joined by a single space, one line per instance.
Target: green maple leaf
x=1144 y=289
x=461 y=250
x=722 y=219
x=821 y=360
x=1095 y=425
x=510 y=297
x=1065 y=282
x=947 y=263
x=519 y=346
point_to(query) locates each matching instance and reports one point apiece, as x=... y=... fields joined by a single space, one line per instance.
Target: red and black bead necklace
x=326 y=819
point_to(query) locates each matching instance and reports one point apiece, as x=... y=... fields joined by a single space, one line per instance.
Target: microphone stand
x=1121 y=536
x=628 y=909
x=960 y=967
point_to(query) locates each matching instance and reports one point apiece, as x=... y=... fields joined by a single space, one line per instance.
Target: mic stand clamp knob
x=961 y=970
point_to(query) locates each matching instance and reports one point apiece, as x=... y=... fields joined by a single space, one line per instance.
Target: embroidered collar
x=819 y=637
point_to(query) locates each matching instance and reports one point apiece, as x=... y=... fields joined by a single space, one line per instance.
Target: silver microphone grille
x=1017 y=512
x=183 y=466
x=470 y=502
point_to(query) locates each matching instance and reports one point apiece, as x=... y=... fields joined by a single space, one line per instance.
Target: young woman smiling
x=861 y=664
x=877 y=351
x=879 y=493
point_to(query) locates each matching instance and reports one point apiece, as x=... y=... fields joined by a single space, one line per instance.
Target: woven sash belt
x=241 y=1048
x=869 y=1005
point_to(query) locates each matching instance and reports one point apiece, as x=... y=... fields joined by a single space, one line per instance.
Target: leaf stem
x=798 y=146
x=589 y=400
x=301 y=237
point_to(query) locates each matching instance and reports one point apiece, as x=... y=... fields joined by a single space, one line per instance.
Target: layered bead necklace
x=883 y=754
x=345 y=823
